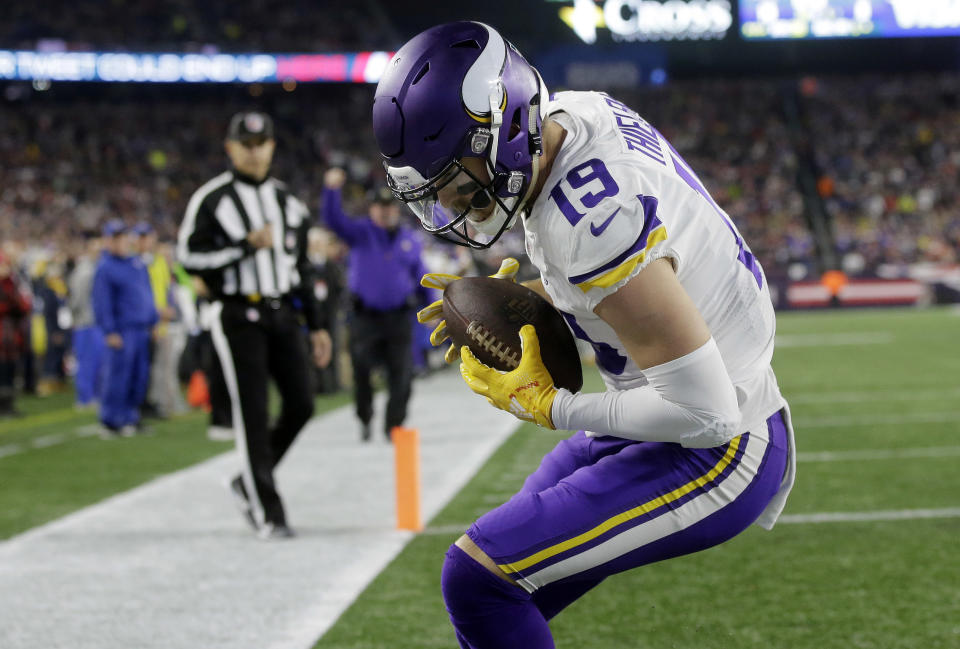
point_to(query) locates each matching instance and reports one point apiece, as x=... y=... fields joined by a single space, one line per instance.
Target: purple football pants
x=597 y=506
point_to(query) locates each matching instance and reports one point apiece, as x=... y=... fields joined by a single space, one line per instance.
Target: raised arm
x=350 y=230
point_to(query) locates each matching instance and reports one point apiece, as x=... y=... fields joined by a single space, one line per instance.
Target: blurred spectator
x=385 y=268
x=163 y=397
x=124 y=310
x=50 y=299
x=327 y=255
x=14 y=309
x=88 y=345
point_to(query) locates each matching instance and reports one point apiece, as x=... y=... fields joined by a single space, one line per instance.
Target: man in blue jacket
x=384 y=281
x=124 y=311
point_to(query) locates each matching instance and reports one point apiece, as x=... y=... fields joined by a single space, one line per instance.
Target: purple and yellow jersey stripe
x=630 y=518
x=597 y=506
x=621 y=266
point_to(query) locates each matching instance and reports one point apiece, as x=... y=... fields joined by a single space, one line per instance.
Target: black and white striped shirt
x=212 y=242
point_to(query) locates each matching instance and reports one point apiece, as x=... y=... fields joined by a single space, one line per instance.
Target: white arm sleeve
x=689 y=400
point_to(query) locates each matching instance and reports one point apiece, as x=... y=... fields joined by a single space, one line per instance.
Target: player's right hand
x=508 y=271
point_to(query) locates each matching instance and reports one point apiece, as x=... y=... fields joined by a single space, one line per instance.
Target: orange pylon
x=406 y=445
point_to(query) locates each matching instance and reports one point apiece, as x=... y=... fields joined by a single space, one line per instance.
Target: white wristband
x=689 y=400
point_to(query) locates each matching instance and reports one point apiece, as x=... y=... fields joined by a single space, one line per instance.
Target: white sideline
x=869 y=517
x=171 y=564
x=857 y=455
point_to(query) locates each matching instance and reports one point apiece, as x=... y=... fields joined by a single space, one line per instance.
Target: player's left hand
x=508 y=271
x=526 y=392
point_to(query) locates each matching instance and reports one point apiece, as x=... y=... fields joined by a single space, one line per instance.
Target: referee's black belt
x=259 y=301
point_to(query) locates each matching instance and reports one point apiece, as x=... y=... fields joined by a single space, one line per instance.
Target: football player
x=691 y=443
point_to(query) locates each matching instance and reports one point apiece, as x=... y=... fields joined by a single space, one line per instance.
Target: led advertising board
x=813 y=19
x=647 y=20
x=126 y=67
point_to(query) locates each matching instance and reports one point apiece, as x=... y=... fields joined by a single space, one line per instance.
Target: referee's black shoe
x=239 y=493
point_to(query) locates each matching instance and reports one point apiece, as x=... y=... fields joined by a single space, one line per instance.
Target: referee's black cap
x=250 y=125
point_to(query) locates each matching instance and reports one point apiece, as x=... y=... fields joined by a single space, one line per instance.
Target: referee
x=245 y=235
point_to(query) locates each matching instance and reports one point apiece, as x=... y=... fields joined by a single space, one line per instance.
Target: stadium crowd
x=886 y=161
x=888 y=152
x=177 y=25
x=734 y=135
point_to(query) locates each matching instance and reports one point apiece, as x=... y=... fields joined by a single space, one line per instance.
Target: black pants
x=255 y=343
x=382 y=338
x=8 y=368
x=220 y=414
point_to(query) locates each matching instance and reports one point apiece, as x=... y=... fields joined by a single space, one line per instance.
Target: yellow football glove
x=508 y=271
x=526 y=392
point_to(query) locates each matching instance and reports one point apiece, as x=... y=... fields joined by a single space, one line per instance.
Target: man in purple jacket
x=384 y=282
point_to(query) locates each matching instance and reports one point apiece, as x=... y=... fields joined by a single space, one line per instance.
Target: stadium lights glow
x=649 y=20
x=128 y=67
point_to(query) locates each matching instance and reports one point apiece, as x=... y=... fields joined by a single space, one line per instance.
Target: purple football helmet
x=454 y=91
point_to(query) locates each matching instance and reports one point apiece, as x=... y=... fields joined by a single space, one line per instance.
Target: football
x=486 y=315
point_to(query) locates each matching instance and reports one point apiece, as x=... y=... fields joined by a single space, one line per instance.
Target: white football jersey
x=619 y=196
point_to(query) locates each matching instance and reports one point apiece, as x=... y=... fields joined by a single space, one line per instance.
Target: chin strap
x=496 y=121
x=536 y=146
x=535 y=138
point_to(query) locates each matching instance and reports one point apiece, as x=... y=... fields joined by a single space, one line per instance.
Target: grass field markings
x=836 y=339
x=41 y=419
x=786 y=519
x=867 y=397
x=870 y=517
x=10 y=449
x=879 y=454
x=839 y=421
x=46 y=441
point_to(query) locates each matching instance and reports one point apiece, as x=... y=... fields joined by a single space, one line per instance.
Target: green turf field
x=881 y=384
x=876 y=404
